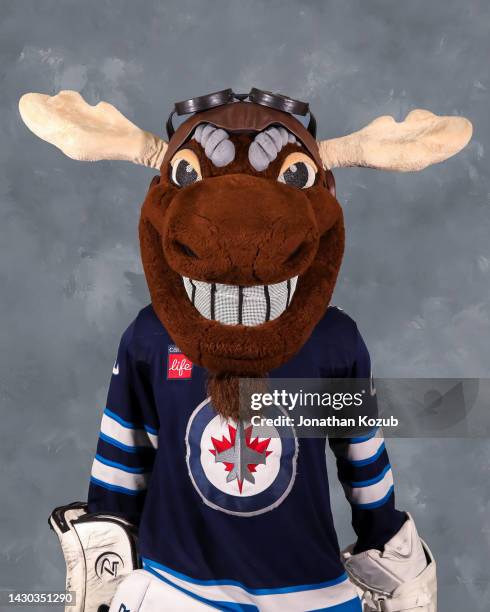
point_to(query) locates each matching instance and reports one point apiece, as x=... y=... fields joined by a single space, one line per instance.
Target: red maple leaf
x=257 y=445
x=224 y=444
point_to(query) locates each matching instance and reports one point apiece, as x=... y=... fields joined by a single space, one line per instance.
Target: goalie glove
x=99 y=551
x=402 y=578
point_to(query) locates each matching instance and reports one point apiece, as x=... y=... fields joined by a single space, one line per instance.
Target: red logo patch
x=179 y=367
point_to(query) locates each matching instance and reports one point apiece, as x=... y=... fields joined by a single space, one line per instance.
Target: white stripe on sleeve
x=360 y=451
x=118 y=478
x=127 y=435
x=370 y=494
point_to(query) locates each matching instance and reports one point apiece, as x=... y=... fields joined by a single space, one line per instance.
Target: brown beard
x=230 y=395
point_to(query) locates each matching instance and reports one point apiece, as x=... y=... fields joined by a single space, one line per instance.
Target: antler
x=89 y=133
x=419 y=141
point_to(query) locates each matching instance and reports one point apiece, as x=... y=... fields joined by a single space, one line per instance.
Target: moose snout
x=237 y=229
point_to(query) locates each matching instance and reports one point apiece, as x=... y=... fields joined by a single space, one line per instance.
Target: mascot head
x=241 y=233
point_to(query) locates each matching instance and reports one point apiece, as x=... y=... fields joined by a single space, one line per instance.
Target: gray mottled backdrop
x=417 y=266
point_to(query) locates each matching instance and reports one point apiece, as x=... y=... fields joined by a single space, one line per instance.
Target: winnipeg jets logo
x=240 y=454
x=235 y=467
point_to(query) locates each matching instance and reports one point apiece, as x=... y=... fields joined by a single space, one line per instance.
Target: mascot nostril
x=299 y=253
x=241 y=240
x=185 y=250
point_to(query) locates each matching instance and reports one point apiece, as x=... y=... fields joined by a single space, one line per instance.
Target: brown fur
x=245 y=228
x=231 y=394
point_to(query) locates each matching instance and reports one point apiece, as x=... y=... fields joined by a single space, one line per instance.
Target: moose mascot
x=241 y=240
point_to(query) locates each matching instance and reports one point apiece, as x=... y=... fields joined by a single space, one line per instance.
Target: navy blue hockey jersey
x=263 y=539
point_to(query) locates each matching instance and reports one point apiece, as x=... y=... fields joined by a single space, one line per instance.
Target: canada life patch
x=233 y=468
x=179 y=367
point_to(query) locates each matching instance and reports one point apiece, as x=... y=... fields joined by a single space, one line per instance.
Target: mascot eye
x=185 y=168
x=298 y=170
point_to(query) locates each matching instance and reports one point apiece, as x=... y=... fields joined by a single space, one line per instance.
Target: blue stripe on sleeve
x=363 y=462
x=371 y=481
x=376 y=504
x=359 y=439
x=101 y=499
x=115 y=488
x=151 y=430
x=124 y=447
x=355 y=473
x=120 y=420
x=120 y=466
x=144 y=459
x=129 y=424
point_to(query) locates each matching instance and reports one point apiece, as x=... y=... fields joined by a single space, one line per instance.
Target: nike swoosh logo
x=115 y=369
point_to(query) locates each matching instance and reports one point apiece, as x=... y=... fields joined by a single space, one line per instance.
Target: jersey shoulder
x=337 y=336
x=148 y=324
x=338 y=333
x=144 y=333
x=337 y=325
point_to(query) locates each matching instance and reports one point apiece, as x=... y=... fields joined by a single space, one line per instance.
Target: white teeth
x=231 y=304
